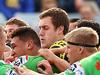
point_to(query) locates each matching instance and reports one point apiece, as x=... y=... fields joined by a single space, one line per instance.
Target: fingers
x=44 y=63
x=42 y=71
x=25 y=71
x=20 y=70
x=44 y=67
x=10 y=59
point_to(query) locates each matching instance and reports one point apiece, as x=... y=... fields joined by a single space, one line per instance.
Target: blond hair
x=83 y=36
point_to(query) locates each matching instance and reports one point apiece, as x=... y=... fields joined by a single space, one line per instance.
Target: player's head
x=73 y=24
x=53 y=25
x=88 y=11
x=92 y=24
x=2 y=42
x=11 y=25
x=82 y=42
x=25 y=40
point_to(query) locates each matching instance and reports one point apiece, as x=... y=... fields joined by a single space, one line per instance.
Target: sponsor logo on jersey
x=77 y=68
x=20 y=61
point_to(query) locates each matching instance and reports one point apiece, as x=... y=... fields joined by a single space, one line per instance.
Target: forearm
x=61 y=64
x=58 y=50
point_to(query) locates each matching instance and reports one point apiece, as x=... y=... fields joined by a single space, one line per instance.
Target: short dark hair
x=58 y=16
x=92 y=24
x=16 y=21
x=25 y=33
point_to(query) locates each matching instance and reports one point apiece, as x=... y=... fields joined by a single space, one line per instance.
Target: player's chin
x=43 y=45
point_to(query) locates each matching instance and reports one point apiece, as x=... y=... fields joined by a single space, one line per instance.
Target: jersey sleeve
x=75 y=69
x=6 y=69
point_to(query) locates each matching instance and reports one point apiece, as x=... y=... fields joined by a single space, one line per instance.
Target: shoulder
x=75 y=69
x=58 y=44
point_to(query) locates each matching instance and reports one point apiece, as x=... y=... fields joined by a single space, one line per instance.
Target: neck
x=33 y=51
x=86 y=54
x=60 y=37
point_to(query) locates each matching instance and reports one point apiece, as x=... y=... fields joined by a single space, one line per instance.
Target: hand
x=47 y=54
x=25 y=71
x=45 y=67
x=9 y=59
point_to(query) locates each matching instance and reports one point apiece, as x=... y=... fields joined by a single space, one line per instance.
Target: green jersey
x=91 y=64
x=86 y=66
x=75 y=69
x=6 y=69
x=31 y=63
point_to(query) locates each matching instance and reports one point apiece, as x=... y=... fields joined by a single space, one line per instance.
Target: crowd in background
x=10 y=7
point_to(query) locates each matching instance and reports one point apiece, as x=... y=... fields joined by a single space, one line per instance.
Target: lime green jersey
x=91 y=64
x=31 y=63
x=6 y=69
x=75 y=69
x=86 y=66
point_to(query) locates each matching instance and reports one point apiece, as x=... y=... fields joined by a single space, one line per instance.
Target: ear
x=29 y=44
x=81 y=50
x=60 y=30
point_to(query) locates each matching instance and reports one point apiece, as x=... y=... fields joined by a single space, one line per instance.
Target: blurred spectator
x=97 y=1
x=70 y=5
x=73 y=24
x=11 y=25
x=37 y=4
x=46 y=4
x=26 y=5
x=78 y=4
x=10 y=7
x=88 y=11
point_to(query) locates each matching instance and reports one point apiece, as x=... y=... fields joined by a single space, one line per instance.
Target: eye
x=46 y=28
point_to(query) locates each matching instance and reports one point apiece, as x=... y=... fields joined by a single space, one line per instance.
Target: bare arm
x=25 y=71
x=58 y=50
x=61 y=64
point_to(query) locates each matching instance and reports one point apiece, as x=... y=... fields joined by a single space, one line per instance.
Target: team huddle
x=58 y=49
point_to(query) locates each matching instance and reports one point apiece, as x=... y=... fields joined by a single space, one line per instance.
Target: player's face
x=19 y=47
x=9 y=29
x=47 y=32
x=72 y=26
x=2 y=43
x=3 y=39
x=73 y=53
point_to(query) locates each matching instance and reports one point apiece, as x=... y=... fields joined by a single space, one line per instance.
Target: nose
x=8 y=35
x=41 y=32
